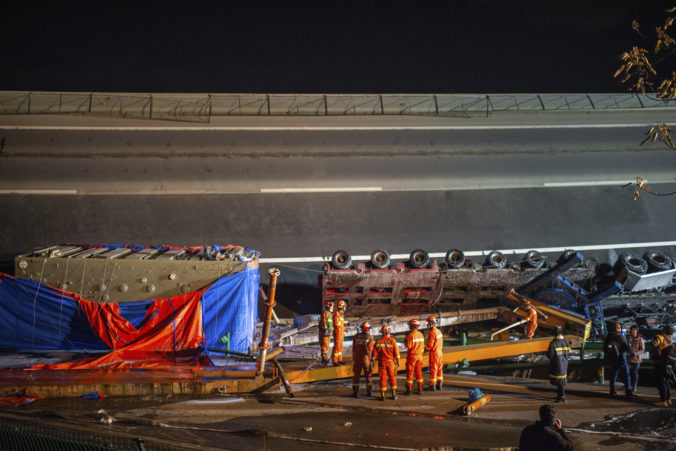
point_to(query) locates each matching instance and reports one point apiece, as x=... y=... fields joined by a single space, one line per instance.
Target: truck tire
x=658 y=261
x=496 y=260
x=632 y=262
x=380 y=259
x=419 y=258
x=534 y=259
x=341 y=260
x=565 y=256
x=455 y=258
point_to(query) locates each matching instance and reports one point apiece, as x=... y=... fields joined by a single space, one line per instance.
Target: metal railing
x=201 y=107
x=31 y=436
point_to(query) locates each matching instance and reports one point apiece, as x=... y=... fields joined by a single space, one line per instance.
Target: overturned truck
x=381 y=288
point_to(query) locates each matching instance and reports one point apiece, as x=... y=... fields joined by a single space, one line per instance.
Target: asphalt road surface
x=301 y=189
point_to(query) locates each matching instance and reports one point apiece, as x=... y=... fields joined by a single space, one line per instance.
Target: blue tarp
x=35 y=316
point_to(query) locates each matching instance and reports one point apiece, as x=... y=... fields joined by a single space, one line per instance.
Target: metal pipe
x=282 y=376
x=507 y=328
x=274 y=273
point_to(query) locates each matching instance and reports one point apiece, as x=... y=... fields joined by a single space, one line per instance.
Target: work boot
x=408 y=391
x=325 y=361
x=431 y=388
x=355 y=393
x=439 y=385
x=561 y=400
x=394 y=394
x=419 y=392
x=368 y=392
x=382 y=395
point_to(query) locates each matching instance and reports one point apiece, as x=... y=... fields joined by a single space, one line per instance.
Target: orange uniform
x=415 y=344
x=338 y=333
x=362 y=348
x=435 y=345
x=386 y=353
x=532 y=321
x=325 y=332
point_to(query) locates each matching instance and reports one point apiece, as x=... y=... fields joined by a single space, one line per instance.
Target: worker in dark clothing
x=546 y=434
x=615 y=349
x=664 y=355
x=558 y=352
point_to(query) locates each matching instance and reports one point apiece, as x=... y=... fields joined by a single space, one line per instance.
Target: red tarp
x=172 y=330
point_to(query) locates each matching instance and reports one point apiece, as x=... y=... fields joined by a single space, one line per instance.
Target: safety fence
x=30 y=436
x=201 y=107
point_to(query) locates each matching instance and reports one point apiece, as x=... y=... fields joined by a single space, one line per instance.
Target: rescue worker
x=386 y=353
x=435 y=345
x=338 y=333
x=362 y=348
x=558 y=352
x=532 y=319
x=615 y=349
x=664 y=355
x=325 y=331
x=415 y=345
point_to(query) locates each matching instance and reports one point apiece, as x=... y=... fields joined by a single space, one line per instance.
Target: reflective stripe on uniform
x=565 y=348
x=558 y=377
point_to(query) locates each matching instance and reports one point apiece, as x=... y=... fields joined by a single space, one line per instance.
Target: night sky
x=473 y=46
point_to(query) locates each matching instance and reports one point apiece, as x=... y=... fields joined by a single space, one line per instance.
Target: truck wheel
x=455 y=258
x=496 y=260
x=632 y=262
x=565 y=256
x=380 y=259
x=657 y=261
x=341 y=260
x=534 y=259
x=419 y=258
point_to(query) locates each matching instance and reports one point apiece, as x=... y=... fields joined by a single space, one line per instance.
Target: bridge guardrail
x=201 y=107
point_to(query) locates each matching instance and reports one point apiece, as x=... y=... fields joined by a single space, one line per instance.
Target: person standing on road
x=558 y=353
x=615 y=348
x=532 y=318
x=386 y=353
x=546 y=434
x=664 y=356
x=415 y=345
x=325 y=331
x=435 y=345
x=362 y=348
x=338 y=333
x=635 y=356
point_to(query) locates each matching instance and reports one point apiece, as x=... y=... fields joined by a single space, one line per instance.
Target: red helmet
x=385 y=329
x=341 y=304
x=365 y=326
x=414 y=323
x=431 y=320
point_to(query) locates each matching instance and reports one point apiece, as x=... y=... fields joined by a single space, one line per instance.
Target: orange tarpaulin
x=171 y=334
